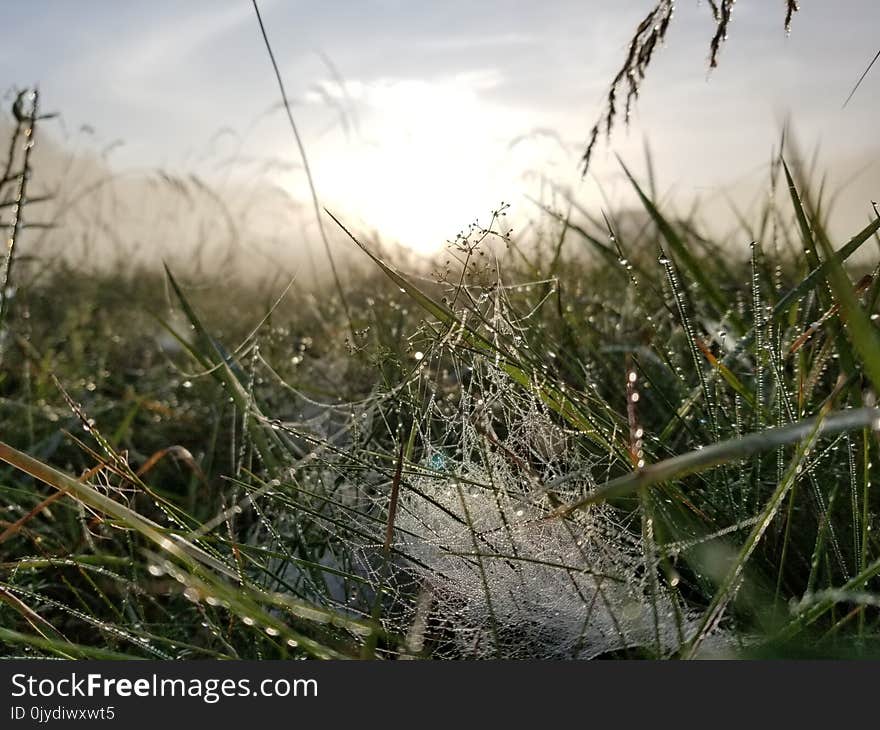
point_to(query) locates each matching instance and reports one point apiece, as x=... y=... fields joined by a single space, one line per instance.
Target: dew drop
x=191 y=594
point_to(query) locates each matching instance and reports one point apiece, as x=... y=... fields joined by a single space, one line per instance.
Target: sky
x=419 y=117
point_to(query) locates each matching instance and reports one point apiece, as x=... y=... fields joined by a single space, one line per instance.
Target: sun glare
x=431 y=157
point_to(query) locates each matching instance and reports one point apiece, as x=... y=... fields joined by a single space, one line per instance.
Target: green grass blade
x=695 y=268
x=700 y=460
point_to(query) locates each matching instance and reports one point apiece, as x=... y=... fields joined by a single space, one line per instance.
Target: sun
x=431 y=159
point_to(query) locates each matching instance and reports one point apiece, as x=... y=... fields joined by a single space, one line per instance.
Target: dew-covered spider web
x=474 y=566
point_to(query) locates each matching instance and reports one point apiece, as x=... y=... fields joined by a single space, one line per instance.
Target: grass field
x=585 y=444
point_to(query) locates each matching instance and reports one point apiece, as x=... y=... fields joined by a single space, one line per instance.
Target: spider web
x=481 y=571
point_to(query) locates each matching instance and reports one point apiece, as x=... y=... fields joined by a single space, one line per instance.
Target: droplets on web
x=505 y=581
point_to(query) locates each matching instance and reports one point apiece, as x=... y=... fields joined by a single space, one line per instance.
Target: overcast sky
x=419 y=116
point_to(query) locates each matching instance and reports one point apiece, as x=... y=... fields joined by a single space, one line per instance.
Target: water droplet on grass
x=191 y=594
